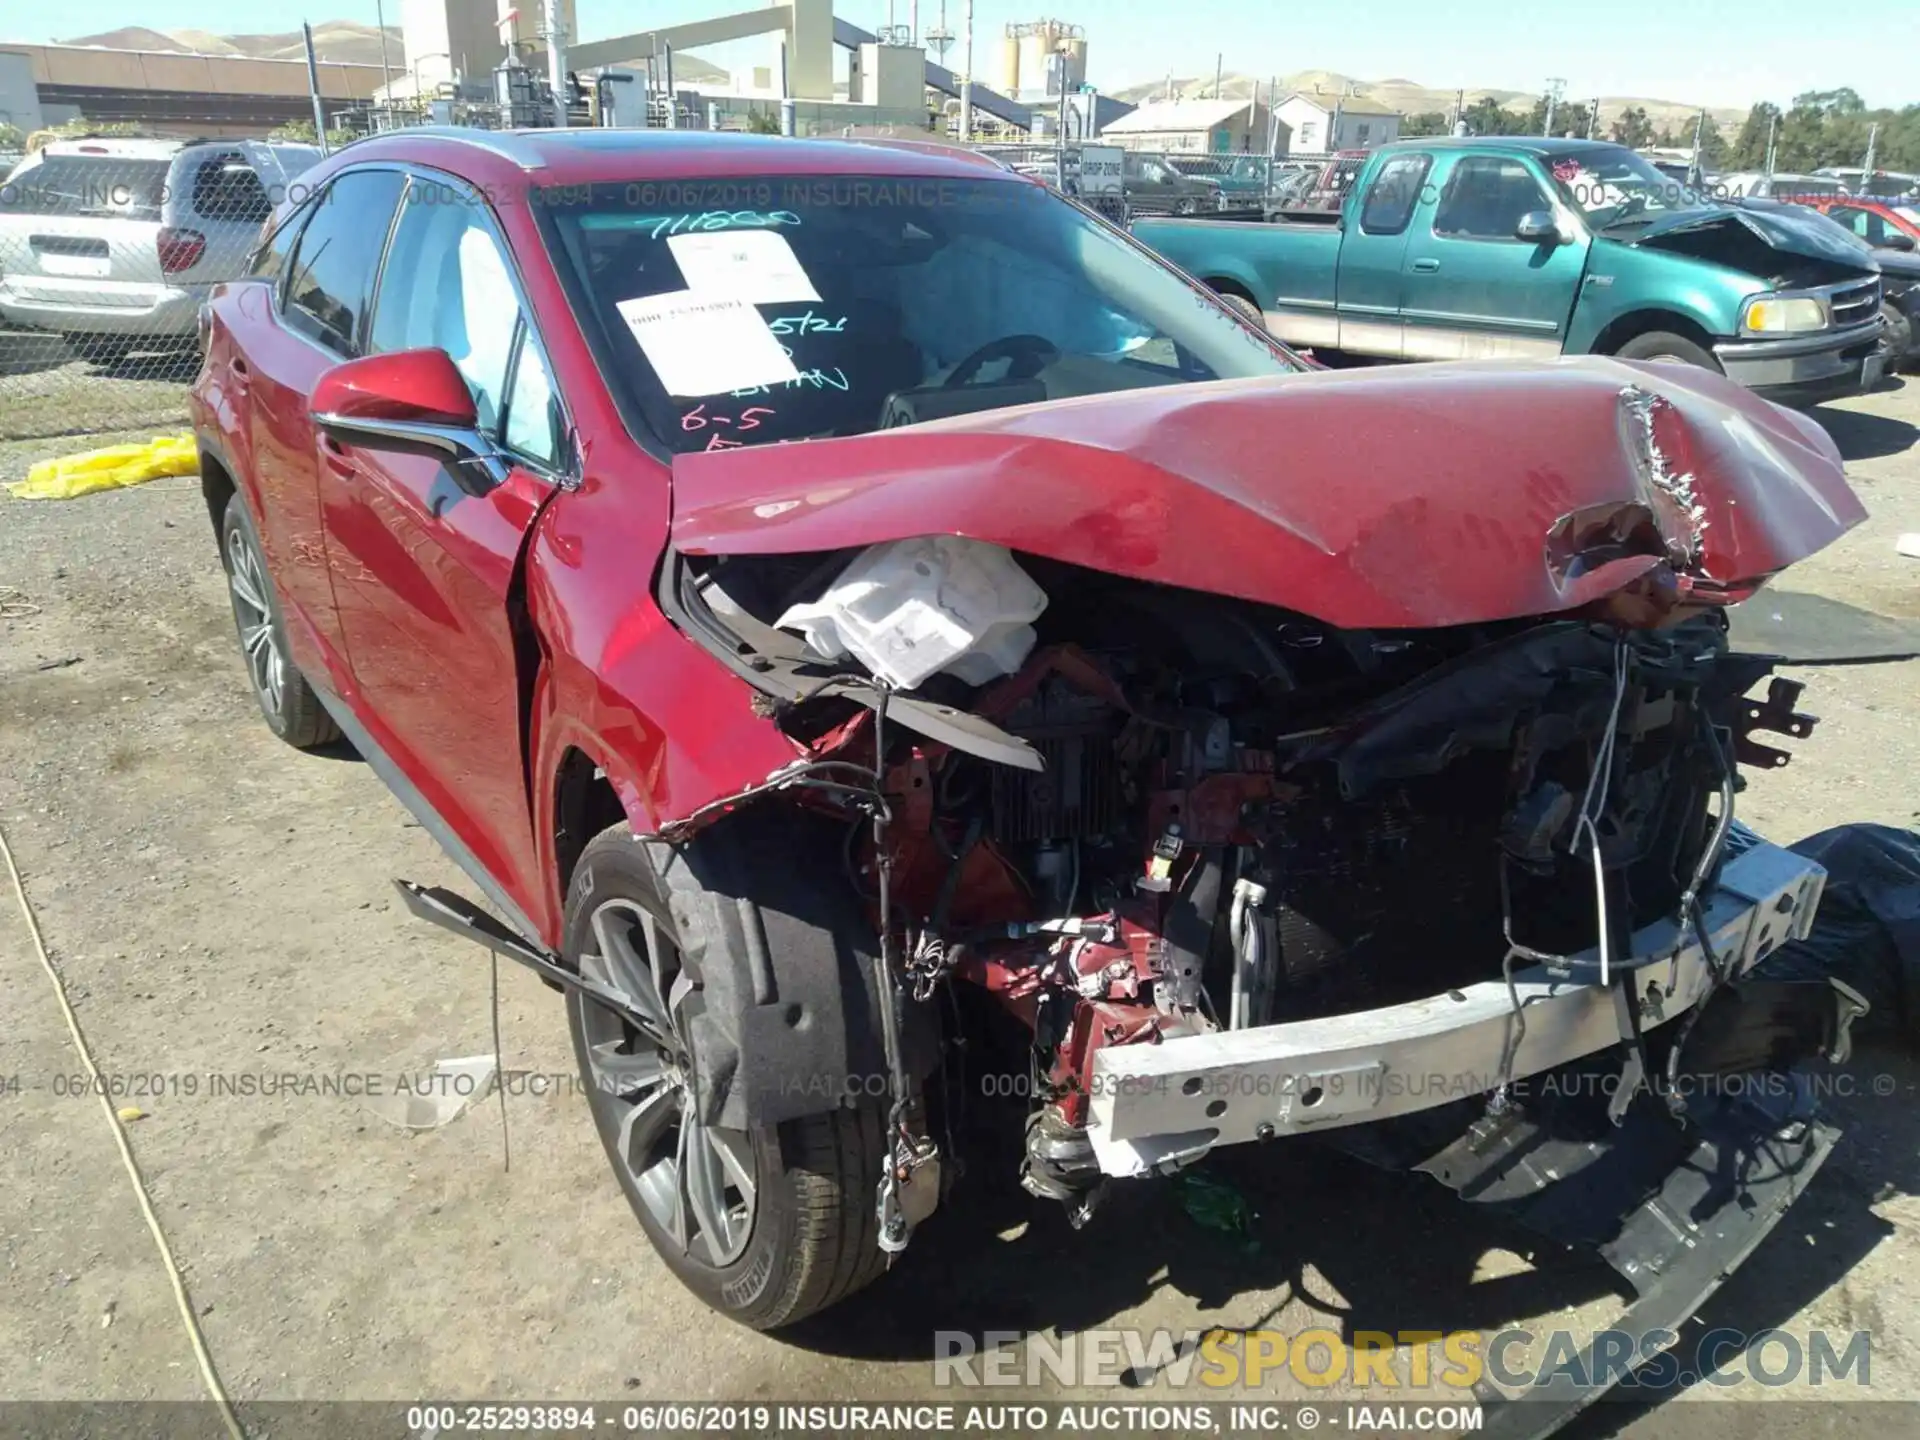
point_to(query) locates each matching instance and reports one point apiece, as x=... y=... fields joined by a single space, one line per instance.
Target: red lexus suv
x=807 y=583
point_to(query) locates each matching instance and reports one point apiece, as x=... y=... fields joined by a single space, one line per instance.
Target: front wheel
x=1665 y=345
x=766 y=1225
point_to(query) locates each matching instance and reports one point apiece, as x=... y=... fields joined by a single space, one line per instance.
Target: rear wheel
x=768 y=1224
x=287 y=702
x=1665 y=345
x=1245 y=306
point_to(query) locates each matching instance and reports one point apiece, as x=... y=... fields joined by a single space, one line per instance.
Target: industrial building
x=1216 y=127
x=1322 y=123
x=496 y=52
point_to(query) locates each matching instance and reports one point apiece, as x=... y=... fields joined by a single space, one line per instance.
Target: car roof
x=577 y=156
x=1529 y=144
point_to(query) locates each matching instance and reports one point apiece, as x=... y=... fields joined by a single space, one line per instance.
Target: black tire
x=1665 y=345
x=1245 y=306
x=1185 y=205
x=287 y=702
x=812 y=1230
x=1898 y=337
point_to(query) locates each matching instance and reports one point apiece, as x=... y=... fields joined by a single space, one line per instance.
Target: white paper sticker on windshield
x=757 y=266
x=706 y=344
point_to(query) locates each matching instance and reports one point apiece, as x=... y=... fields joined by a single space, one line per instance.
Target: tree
x=1486 y=116
x=1749 y=149
x=11 y=139
x=1713 y=145
x=1632 y=129
x=761 y=123
x=1427 y=122
x=300 y=132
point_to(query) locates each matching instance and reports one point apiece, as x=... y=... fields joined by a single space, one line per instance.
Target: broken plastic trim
x=792 y=681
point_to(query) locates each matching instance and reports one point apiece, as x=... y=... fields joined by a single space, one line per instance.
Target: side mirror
x=1538 y=226
x=412 y=401
x=1897 y=240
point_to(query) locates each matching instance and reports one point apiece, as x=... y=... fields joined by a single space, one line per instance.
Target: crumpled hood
x=1420 y=495
x=1787 y=228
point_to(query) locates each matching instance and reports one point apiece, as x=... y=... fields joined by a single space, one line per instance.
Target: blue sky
x=1717 y=52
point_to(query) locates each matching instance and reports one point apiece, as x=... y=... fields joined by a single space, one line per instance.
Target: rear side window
x=227 y=188
x=270 y=260
x=1485 y=197
x=109 y=187
x=333 y=266
x=1393 y=194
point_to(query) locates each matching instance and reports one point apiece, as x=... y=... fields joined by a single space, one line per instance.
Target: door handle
x=1426 y=267
x=240 y=367
x=337 y=458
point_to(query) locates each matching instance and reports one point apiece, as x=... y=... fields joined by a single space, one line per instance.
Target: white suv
x=113 y=243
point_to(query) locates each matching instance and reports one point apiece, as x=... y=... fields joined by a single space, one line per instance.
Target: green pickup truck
x=1454 y=249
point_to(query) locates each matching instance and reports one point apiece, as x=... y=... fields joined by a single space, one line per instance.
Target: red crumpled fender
x=1417 y=495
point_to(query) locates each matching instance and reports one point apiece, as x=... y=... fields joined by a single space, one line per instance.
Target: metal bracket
x=1776 y=714
x=462 y=917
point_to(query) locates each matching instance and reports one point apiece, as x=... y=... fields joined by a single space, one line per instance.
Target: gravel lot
x=221 y=906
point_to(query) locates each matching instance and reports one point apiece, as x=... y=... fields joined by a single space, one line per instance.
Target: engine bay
x=1184 y=814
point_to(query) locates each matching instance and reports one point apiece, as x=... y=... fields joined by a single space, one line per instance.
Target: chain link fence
x=108 y=245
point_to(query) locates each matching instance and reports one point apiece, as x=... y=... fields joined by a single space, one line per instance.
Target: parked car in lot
x=1449 y=249
x=1881 y=185
x=837 y=603
x=1882 y=224
x=114 y=243
x=1155 y=187
x=1243 y=179
x=1865 y=223
x=1756 y=185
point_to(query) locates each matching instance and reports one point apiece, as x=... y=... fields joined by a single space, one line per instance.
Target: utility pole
x=1593 y=117
x=1556 y=87
x=313 y=90
x=386 y=76
x=1773 y=126
x=556 y=38
x=1219 y=64
x=1697 y=172
x=1873 y=144
x=966 y=81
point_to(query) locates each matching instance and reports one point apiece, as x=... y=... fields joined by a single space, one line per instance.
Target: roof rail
x=494 y=142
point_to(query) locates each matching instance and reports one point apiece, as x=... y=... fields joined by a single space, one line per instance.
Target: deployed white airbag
x=914 y=608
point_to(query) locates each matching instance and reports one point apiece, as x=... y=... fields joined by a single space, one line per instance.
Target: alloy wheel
x=267 y=667
x=695 y=1180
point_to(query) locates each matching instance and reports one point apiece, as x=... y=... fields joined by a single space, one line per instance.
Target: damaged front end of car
x=1346 y=790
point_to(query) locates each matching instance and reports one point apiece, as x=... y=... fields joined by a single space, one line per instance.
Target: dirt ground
x=222 y=911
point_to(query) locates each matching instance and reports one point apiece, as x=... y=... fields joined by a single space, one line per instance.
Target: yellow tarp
x=69 y=476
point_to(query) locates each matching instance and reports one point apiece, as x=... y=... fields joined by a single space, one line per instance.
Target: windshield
x=109 y=186
x=811 y=307
x=1612 y=186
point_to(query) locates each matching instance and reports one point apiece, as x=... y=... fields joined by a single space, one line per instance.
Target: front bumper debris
x=1154 y=1106
x=1712 y=1192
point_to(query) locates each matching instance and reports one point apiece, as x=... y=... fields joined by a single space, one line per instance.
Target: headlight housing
x=1782 y=315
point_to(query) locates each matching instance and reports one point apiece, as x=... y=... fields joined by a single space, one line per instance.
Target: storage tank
x=1076 y=62
x=1035 y=46
x=1009 y=81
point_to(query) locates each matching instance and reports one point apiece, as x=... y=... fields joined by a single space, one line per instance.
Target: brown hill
x=1410 y=98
